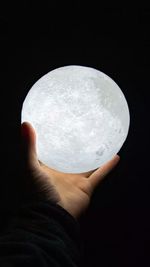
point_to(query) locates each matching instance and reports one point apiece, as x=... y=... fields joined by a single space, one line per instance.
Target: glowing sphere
x=80 y=116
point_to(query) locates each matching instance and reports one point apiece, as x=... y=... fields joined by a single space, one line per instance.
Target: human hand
x=71 y=191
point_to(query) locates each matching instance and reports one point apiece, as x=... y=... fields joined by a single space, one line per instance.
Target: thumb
x=28 y=137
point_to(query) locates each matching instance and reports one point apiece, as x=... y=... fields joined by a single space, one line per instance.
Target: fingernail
x=24 y=130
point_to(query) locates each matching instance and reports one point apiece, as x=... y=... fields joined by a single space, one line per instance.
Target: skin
x=71 y=191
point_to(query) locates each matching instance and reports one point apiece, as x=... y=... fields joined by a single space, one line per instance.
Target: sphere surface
x=80 y=116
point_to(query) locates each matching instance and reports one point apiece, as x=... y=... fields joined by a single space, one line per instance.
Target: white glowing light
x=80 y=116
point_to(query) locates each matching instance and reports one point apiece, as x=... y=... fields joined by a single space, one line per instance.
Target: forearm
x=43 y=234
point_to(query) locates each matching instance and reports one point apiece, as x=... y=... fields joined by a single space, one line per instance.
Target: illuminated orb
x=80 y=116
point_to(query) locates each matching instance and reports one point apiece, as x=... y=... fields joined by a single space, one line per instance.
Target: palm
x=71 y=191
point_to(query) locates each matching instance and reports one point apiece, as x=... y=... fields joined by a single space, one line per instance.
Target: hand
x=71 y=191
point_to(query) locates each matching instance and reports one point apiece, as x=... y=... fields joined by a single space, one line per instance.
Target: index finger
x=97 y=176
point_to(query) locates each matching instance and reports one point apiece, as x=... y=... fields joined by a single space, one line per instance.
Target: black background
x=38 y=37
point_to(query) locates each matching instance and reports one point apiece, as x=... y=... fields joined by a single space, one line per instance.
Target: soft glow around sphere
x=80 y=116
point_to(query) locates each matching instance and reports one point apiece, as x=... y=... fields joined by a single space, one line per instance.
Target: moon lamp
x=80 y=116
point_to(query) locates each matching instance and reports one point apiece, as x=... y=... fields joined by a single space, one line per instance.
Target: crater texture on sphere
x=80 y=116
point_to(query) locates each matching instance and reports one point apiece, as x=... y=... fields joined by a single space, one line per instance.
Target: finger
x=29 y=144
x=85 y=174
x=102 y=172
